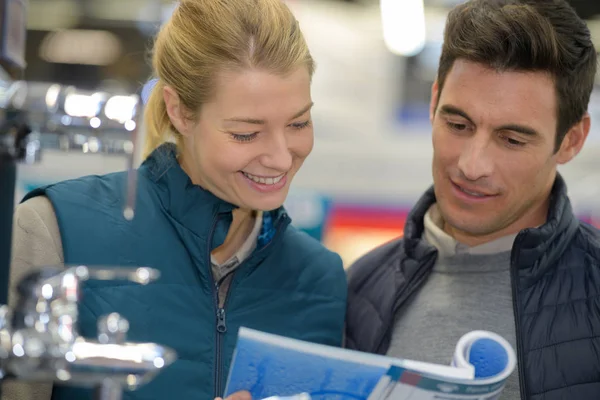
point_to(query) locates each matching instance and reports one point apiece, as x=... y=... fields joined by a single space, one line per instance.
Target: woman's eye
x=243 y=138
x=300 y=125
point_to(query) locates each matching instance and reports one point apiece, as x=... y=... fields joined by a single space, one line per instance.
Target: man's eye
x=456 y=127
x=514 y=142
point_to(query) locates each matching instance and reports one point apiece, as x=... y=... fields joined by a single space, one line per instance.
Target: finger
x=243 y=395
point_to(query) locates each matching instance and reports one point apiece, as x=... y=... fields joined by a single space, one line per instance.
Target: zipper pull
x=221 y=326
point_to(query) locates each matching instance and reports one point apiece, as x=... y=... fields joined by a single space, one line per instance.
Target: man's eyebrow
x=522 y=129
x=447 y=109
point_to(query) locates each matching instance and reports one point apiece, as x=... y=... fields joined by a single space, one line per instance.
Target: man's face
x=494 y=138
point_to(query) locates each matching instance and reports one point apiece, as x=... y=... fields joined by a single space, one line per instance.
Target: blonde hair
x=204 y=37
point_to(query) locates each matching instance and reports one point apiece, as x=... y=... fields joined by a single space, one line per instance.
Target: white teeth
x=472 y=193
x=264 y=181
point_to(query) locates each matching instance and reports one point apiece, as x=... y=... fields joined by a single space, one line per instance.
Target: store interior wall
x=372 y=155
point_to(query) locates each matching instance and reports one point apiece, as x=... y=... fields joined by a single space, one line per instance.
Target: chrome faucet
x=92 y=122
x=39 y=339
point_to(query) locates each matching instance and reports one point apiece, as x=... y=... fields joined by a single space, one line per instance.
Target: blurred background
x=376 y=62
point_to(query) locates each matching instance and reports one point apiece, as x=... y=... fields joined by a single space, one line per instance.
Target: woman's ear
x=176 y=111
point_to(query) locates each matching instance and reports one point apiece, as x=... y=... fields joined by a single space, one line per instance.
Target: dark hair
x=526 y=35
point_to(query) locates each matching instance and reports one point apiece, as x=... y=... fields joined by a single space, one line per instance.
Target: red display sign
x=352 y=231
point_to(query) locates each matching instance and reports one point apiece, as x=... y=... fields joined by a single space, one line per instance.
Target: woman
x=233 y=92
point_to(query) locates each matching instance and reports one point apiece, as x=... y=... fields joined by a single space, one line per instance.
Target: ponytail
x=156 y=120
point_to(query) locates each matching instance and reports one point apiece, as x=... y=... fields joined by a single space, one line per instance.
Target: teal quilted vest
x=291 y=285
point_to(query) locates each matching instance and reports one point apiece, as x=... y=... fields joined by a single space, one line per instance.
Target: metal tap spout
x=39 y=340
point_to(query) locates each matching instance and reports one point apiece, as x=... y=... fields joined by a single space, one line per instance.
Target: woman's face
x=249 y=141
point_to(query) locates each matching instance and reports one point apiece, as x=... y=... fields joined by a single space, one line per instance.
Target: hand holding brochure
x=269 y=365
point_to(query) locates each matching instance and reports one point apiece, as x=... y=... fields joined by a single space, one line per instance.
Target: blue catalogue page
x=271 y=366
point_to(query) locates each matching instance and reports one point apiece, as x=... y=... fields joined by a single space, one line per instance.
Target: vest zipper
x=515 y=293
x=220 y=326
x=221 y=330
x=221 y=321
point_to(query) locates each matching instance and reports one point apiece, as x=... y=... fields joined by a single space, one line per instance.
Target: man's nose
x=475 y=160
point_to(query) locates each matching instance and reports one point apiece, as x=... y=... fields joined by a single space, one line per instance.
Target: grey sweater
x=468 y=289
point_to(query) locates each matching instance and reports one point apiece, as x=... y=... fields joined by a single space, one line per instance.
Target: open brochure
x=268 y=366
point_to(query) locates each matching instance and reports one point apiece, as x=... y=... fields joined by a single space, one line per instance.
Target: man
x=494 y=244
